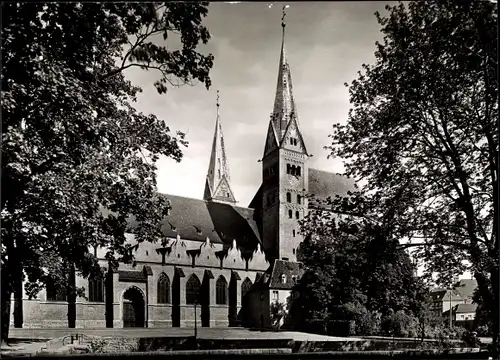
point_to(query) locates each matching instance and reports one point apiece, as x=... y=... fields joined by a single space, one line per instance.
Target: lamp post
x=451 y=320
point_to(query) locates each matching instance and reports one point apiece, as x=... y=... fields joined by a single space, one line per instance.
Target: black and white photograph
x=272 y=180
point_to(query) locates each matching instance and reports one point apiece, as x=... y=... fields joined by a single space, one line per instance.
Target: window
x=96 y=289
x=299 y=199
x=288 y=169
x=227 y=194
x=290 y=214
x=294 y=279
x=221 y=291
x=275 y=295
x=292 y=170
x=284 y=258
x=283 y=278
x=293 y=232
x=293 y=251
x=219 y=173
x=288 y=197
x=297 y=215
x=163 y=289
x=55 y=293
x=245 y=287
x=193 y=290
x=297 y=171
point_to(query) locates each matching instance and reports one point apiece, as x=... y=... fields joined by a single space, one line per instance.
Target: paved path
x=203 y=333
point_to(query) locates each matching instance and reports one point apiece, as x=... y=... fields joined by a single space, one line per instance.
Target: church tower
x=284 y=170
x=217 y=184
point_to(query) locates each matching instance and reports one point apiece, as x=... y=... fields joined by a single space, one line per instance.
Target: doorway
x=133 y=308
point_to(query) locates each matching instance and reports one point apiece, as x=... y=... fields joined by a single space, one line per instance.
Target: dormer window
x=294 y=279
x=293 y=141
x=283 y=278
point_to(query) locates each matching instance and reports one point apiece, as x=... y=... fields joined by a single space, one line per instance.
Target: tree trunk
x=6 y=293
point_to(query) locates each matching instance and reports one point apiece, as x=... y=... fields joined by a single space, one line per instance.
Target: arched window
x=297 y=215
x=290 y=214
x=288 y=169
x=299 y=199
x=245 y=287
x=288 y=197
x=96 y=289
x=163 y=289
x=55 y=293
x=193 y=290
x=221 y=291
x=297 y=171
x=292 y=170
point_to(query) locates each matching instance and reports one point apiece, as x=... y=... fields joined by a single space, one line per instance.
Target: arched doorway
x=133 y=308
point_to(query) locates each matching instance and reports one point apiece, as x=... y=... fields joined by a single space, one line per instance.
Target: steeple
x=217 y=186
x=284 y=102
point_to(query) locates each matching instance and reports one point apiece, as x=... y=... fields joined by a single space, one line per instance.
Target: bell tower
x=284 y=170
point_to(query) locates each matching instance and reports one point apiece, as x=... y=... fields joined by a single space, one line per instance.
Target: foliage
x=77 y=158
x=400 y=324
x=278 y=314
x=422 y=135
x=353 y=272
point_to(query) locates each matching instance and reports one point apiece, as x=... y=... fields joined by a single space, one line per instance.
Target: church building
x=223 y=264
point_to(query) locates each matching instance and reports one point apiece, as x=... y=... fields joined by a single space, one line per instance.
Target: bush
x=400 y=324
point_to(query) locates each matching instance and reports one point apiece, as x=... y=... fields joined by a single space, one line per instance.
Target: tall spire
x=217 y=185
x=284 y=103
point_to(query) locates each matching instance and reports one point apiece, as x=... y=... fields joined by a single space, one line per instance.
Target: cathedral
x=224 y=265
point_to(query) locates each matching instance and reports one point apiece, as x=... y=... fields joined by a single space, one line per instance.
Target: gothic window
x=299 y=199
x=245 y=287
x=55 y=293
x=193 y=290
x=290 y=214
x=297 y=171
x=96 y=289
x=221 y=291
x=163 y=290
x=288 y=197
x=288 y=169
x=297 y=215
x=292 y=170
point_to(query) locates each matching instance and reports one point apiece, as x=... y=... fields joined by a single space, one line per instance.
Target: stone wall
x=207 y=267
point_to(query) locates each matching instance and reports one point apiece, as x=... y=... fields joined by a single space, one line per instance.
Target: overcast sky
x=327 y=42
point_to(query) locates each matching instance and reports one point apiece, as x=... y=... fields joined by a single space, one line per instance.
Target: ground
x=31 y=341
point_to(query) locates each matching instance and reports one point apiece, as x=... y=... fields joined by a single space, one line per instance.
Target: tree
x=77 y=159
x=423 y=136
x=353 y=273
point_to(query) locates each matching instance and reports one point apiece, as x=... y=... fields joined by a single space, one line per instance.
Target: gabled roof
x=194 y=219
x=323 y=184
x=466 y=287
x=290 y=270
x=465 y=308
x=444 y=295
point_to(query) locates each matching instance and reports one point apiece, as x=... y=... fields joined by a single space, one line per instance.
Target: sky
x=327 y=42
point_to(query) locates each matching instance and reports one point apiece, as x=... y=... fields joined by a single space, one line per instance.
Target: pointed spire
x=217 y=185
x=284 y=102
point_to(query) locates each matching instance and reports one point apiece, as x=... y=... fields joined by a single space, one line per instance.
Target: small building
x=444 y=299
x=274 y=288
